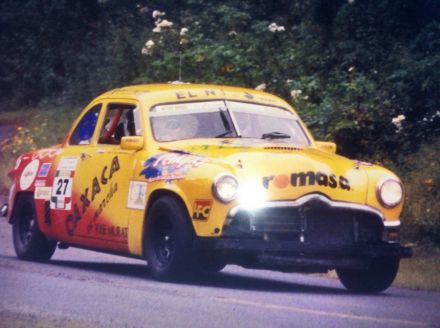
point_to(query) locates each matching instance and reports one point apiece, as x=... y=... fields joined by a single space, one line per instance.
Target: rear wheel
x=378 y=277
x=29 y=243
x=169 y=239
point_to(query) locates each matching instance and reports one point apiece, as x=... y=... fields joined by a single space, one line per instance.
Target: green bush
x=350 y=68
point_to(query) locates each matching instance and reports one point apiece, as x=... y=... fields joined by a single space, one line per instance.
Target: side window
x=83 y=132
x=120 y=120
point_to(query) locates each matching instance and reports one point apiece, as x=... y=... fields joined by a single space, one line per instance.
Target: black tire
x=168 y=245
x=210 y=264
x=378 y=277
x=29 y=243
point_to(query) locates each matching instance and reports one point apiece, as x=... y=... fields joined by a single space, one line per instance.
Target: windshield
x=219 y=119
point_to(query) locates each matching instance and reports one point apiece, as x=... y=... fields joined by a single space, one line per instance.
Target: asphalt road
x=87 y=289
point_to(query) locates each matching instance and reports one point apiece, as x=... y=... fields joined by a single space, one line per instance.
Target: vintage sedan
x=195 y=177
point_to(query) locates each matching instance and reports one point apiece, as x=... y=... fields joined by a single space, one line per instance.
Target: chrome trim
x=214 y=187
x=307 y=198
x=392 y=224
x=379 y=192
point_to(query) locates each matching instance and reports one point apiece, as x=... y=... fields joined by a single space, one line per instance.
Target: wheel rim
x=164 y=241
x=26 y=226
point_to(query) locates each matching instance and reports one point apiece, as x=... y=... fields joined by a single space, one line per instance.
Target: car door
x=91 y=183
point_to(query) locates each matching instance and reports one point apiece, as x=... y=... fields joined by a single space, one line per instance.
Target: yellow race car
x=195 y=177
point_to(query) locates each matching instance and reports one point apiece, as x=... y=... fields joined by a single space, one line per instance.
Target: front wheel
x=29 y=243
x=169 y=239
x=378 y=277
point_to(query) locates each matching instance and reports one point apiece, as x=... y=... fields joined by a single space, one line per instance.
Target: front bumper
x=312 y=233
x=304 y=249
x=299 y=256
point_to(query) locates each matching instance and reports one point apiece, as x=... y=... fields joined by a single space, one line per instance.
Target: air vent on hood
x=285 y=148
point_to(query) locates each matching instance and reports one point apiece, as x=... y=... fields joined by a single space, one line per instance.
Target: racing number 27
x=62 y=186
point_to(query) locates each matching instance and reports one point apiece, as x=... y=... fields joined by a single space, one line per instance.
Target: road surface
x=87 y=289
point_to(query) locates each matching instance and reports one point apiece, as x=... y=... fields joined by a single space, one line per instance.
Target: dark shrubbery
x=349 y=67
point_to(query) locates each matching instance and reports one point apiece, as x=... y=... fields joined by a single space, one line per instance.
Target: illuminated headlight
x=389 y=192
x=225 y=188
x=251 y=195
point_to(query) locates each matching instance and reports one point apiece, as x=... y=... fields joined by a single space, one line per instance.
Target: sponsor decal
x=67 y=164
x=61 y=198
x=112 y=231
x=44 y=170
x=170 y=166
x=309 y=178
x=46 y=153
x=137 y=195
x=202 y=209
x=43 y=193
x=62 y=193
x=28 y=175
x=190 y=94
x=106 y=200
x=89 y=194
x=40 y=183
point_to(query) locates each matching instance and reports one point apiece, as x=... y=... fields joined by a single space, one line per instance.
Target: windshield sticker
x=310 y=178
x=170 y=166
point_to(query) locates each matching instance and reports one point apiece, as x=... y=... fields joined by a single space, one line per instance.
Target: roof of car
x=203 y=90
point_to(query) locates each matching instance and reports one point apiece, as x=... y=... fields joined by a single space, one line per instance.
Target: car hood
x=281 y=171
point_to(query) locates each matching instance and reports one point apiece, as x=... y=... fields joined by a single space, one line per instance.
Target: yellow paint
x=251 y=164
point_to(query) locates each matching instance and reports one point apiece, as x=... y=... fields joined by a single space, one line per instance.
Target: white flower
x=351 y=69
x=157 y=13
x=289 y=81
x=261 y=87
x=397 y=121
x=183 y=31
x=164 y=24
x=273 y=27
x=232 y=33
x=437 y=113
x=145 y=51
x=295 y=93
x=157 y=29
x=149 y=44
x=351 y=1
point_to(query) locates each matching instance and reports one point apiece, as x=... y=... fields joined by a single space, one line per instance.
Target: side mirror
x=132 y=143
x=329 y=147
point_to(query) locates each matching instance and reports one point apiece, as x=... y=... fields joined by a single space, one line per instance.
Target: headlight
x=389 y=192
x=251 y=194
x=225 y=188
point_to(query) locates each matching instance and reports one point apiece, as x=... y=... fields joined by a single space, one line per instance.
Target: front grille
x=314 y=222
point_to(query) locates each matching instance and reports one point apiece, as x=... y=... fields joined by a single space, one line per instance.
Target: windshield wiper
x=275 y=135
x=226 y=124
x=221 y=135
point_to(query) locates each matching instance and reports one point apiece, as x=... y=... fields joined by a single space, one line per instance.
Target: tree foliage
x=348 y=66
